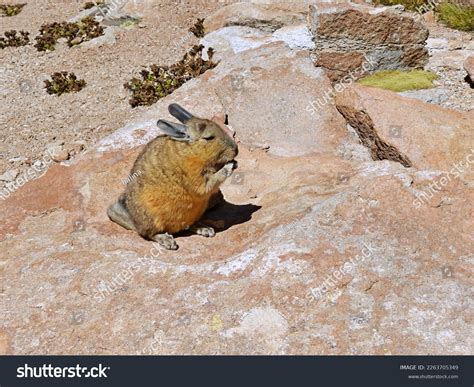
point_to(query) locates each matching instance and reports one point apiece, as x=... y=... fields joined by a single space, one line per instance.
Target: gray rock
x=9 y=175
x=469 y=67
x=436 y=96
x=437 y=44
x=266 y=17
x=284 y=103
x=108 y=39
x=18 y=159
x=94 y=11
x=347 y=36
x=57 y=152
x=232 y=40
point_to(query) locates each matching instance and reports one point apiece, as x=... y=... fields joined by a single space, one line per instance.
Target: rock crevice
x=379 y=149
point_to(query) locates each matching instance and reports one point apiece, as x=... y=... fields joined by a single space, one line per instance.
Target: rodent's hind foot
x=205 y=231
x=166 y=241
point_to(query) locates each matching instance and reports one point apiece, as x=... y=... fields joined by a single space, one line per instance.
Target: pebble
x=58 y=153
x=16 y=159
x=77 y=40
x=437 y=43
x=75 y=147
x=455 y=45
x=9 y=175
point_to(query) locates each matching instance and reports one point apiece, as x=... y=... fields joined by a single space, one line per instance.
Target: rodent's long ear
x=179 y=112
x=176 y=131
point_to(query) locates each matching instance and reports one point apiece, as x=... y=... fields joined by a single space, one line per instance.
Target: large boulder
x=267 y=17
x=233 y=40
x=310 y=258
x=353 y=39
x=319 y=249
x=469 y=67
x=409 y=131
x=268 y=102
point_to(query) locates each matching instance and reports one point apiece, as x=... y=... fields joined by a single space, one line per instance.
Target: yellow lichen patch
x=216 y=323
x=400 y=80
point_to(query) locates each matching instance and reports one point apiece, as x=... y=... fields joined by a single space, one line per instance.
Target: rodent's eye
x=209 y=138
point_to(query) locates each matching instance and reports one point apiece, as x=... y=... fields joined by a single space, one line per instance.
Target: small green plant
x=160 y=81
x=198 y=28
x=75 y=33
x=91 y=4
x=400 y=80
x=11 y=9
x=456 y=16
x=64 y=82
x=14 y=39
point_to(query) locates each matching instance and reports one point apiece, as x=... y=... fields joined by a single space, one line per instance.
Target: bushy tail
x=119 y=214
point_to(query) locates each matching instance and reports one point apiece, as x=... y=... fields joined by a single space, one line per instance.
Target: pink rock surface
x=407 y=130
x=76 y=283
x=319 y=249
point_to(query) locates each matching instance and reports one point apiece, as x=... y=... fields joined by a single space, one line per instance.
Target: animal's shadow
x=225 y=215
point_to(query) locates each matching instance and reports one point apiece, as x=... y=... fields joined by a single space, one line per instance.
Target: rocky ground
x=347 y=229
x=449 y=49
x=32 y=120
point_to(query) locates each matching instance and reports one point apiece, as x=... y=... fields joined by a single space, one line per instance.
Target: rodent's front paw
x=229 y=168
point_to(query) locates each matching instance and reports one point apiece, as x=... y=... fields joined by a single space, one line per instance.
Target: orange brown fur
x=175 y=180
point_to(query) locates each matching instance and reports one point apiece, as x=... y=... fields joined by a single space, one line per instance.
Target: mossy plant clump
x=400 y=80
x=75 y=33
x=91 y=4
x=160 y=81
x=456 y=16
x=198 y=28
x=412 y=5
x=64 y=82
x=14 y=39
x=11 y=9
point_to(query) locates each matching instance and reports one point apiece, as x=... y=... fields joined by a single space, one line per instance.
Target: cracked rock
x=358 y=39
x=409 y=131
